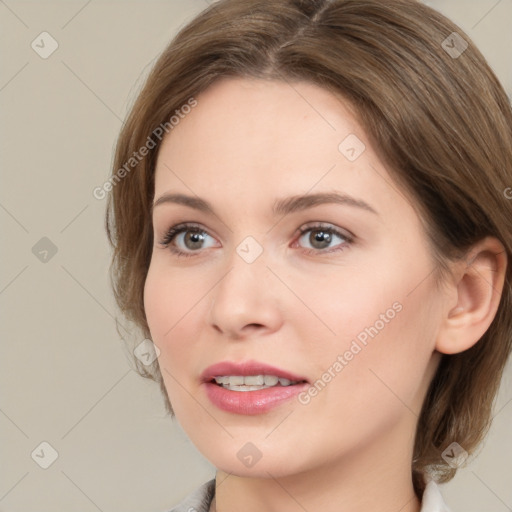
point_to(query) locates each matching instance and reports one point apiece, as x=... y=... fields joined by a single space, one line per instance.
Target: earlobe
x=478 y=287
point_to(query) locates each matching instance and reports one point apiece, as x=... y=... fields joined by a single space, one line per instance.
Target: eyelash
x=174 y=231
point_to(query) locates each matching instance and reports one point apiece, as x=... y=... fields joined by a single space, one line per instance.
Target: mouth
x=253 y=382
x=250 y=388
x=249 y=376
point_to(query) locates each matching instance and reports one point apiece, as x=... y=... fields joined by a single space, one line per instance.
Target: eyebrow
x=281 y=206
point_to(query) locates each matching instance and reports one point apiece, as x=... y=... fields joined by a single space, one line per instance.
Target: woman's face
x=338 y=292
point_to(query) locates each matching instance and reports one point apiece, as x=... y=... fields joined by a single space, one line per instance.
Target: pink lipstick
x=250 y=387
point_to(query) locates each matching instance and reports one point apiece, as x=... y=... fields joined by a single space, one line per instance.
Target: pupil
x=194 y=239
x=322 y=237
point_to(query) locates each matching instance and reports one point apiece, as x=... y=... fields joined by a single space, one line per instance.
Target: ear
x=475 y=296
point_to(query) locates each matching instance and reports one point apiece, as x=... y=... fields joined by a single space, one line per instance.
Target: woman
x=310 y=222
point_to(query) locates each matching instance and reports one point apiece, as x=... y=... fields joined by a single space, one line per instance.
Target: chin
x=260 y=470
x=231 y=461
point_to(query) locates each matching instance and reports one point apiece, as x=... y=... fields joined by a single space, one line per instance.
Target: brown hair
x=438 y=117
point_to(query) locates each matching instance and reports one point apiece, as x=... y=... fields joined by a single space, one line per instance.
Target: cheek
x=177 y=304
x=156 y=303
x=401 y=357
x=378 y=382
x=384 y=322
x=169 y=297
x=170 y=304
x=166 y=316
x=390 y=353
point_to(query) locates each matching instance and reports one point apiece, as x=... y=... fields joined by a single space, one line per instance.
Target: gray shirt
x=200 y=499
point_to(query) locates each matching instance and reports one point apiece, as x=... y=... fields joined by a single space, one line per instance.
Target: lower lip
x=251 y=402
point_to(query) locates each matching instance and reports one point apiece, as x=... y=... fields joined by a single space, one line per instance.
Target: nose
x=246 y=302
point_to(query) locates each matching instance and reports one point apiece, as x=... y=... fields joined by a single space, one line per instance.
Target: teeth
x=251 y=382
x=271 y=380
x=245 y=388
x=235 y=381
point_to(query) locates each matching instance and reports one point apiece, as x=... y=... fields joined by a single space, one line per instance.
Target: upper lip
x=247 y=368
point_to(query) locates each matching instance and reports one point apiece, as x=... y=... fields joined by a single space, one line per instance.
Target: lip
x=246 y=368
x=249 y=402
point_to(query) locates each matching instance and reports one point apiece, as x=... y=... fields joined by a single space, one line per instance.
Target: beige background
x=65 y=377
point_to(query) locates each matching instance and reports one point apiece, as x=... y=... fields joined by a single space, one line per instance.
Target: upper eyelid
x=184 y=227
x=328 y=227
x=303 y=227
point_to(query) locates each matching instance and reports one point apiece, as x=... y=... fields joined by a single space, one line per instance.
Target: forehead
x=240 y=114
x=249 y=138
x=251 y=124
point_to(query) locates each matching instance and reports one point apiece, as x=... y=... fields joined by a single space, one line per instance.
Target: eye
x=187 y=239
x=324 y=238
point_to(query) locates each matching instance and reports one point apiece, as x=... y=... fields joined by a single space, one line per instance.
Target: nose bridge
x=247 y=271
x=244 y=295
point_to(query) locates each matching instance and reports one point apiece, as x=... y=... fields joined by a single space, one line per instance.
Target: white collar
x=432 y=500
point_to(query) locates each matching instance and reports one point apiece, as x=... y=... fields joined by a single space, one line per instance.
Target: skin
x=298 y=307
